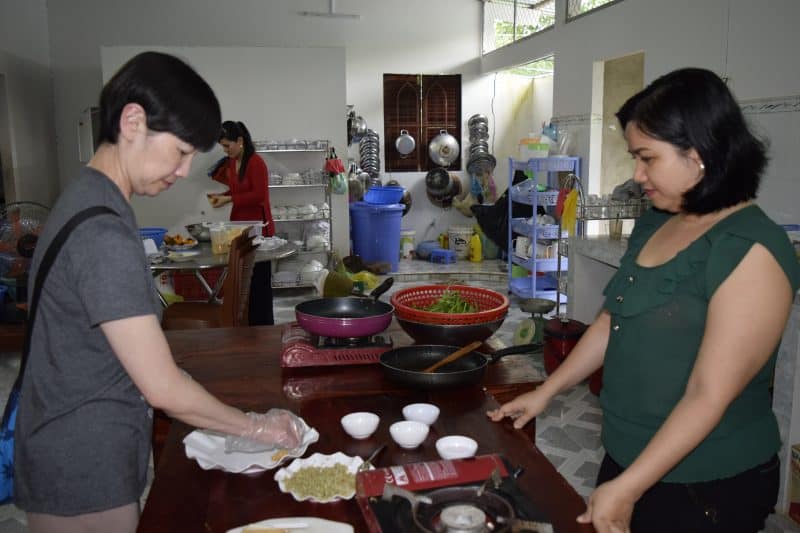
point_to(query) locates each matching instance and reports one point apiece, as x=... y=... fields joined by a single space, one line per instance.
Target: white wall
x=756 y=47
x=27 y=139
x=392 y=37
x=281 y=106
x=411 y=37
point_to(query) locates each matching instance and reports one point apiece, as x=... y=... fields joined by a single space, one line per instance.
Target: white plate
x=182 y=256
x=208 y=449
x=314 y=525
x=319 y=460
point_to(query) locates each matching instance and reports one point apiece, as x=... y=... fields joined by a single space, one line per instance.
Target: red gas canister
x=560 y=337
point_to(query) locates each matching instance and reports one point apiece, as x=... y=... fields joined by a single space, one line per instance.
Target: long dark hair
x=693 y=108
x=174 y=97
x=231 y=131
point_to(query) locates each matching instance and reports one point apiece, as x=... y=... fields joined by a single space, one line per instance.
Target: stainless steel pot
x=443 y=149
x=356 y=128
x=437 y=180
x=477 y=119
x=405 y=143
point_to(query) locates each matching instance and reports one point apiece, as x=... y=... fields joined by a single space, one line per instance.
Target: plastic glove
x=277 y=428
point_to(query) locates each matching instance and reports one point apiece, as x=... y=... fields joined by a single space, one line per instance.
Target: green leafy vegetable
x=450 y=302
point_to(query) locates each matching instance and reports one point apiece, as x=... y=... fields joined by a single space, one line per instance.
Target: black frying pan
x=404 y=365
x=350 y=316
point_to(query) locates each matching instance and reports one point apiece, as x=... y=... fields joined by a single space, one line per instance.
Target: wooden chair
x=236 y=290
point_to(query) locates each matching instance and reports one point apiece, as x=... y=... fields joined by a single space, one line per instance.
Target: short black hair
x=693 y=108
x=231 y=131
x=174 y=97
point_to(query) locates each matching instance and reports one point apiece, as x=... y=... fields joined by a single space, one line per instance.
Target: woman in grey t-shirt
x=98 y=358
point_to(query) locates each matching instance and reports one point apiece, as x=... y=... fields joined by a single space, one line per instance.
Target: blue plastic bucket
x=375 y=231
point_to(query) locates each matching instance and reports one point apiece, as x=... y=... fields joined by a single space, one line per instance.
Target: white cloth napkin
x=150 y=247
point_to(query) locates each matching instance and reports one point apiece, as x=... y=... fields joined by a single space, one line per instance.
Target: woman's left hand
x=219 y=200
x=610 y=508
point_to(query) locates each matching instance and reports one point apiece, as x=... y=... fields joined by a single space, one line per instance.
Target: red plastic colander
x=491 y=304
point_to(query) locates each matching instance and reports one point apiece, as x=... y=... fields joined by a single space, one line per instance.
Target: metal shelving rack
x=526 y=192
x=323 y=186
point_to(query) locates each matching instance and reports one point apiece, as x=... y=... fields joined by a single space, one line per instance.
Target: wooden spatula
x=453 y=356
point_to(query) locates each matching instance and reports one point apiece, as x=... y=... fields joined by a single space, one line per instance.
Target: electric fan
x=20 y=226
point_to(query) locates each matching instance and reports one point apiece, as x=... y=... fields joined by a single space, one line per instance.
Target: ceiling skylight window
x=576 y=8
x=508 y=21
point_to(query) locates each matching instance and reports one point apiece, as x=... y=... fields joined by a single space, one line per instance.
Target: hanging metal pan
x=405 y=143
x=443 y=149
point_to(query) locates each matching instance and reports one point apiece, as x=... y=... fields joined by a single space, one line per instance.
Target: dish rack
x=545 y=272
x=297 y=189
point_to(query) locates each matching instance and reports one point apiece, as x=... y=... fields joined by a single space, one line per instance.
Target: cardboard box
x=794 y=485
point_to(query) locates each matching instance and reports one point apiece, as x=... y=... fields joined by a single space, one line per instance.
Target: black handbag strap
x=44 y=267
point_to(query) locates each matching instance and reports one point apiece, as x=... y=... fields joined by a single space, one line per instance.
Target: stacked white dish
x=293 y=178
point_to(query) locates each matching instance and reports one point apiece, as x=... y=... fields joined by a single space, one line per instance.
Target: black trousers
x=260 y=309
x=738 y=504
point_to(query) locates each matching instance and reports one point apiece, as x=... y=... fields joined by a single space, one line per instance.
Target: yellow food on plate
x=178 y=240
x=321 y=482
x=280 y=454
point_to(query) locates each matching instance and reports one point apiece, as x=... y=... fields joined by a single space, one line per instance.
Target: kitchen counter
x=592 y=263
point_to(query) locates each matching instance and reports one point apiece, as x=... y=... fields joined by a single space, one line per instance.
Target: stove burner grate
x=301 y=348
x=463 y=504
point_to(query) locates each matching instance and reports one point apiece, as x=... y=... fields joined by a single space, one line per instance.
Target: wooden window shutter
x=423 y=105
x=401 y=111
x=441 y=110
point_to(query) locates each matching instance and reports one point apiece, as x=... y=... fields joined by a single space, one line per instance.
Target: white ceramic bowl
x=456 y=447
x=408 y=434
x=427 y=413
x=360 y=425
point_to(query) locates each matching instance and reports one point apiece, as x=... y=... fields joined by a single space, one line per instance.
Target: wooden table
x=241 y=366
x=206 y=259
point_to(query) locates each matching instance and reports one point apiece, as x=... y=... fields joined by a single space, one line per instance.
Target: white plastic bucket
x=407 y=245
x=459 y=240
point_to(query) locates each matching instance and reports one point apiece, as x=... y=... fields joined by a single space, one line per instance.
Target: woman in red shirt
x=247 y=177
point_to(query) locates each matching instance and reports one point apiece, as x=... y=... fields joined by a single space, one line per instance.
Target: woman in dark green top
x=689 y=331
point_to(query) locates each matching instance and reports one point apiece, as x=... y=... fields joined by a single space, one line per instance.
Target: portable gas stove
x=301 y=348
x=475 y=495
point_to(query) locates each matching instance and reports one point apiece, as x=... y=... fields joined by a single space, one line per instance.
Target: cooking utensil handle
x=382 y=288
x=368 y=463
x=453 y=356
x=511 y=350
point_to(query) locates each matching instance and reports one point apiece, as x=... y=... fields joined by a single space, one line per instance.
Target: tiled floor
x=567 y=433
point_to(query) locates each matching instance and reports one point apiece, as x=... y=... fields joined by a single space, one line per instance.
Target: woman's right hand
x=218 y=200
x=277 y=426
x=521 y=409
